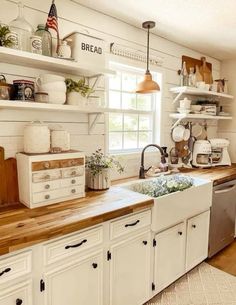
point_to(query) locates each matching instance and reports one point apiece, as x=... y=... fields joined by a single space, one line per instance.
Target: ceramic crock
x=36 y=138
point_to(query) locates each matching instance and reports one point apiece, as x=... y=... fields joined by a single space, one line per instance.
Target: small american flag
x=52 y=21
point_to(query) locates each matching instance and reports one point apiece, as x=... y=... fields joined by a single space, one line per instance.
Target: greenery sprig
x=98 y=161
x=5 y=42
x=78 y=86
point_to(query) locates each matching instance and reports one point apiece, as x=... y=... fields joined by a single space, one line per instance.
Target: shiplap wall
x=73 y=17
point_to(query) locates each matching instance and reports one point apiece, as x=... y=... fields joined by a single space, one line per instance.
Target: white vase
x=101 y=181
x=75 y=98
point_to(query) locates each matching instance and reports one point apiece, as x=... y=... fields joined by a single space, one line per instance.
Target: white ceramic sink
x=174 y=207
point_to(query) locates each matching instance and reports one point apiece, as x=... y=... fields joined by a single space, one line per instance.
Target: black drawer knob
x=194 y=226
x=145 y=242
x=5 y=271
x=94 y=265
x=180 y=233
x=19 y=302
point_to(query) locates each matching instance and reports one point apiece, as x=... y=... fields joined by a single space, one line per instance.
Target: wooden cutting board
x=9 y=193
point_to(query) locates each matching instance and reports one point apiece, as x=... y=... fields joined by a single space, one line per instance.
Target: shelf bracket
x=93 y=119
x=176 y=123
x=178 y=96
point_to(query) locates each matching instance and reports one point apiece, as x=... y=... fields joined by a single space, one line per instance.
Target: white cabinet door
x=17 y=295
x=78 y=283
x=130 y=271
x=197 y=239
x=169 y=256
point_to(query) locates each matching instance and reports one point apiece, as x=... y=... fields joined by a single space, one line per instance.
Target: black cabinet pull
x=180 y=233
x=19 y=302
x=77 y=245
x=132 y=224
x=5 y=271
x=94 y=265
x=145 y=242
x=194 y=226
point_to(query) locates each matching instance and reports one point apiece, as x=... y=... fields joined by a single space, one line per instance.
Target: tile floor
x=204 y=285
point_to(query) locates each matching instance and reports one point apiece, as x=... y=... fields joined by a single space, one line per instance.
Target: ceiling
x=208 y=26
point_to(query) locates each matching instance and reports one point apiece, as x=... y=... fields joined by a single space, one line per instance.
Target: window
x=132 y=118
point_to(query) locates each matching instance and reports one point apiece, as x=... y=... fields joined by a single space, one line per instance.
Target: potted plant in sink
x=77 y=91
x=98 y=167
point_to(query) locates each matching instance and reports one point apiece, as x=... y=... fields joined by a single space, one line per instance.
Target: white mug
x=48 y=78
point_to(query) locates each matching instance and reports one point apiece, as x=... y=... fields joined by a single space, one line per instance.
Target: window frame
x=154 y=112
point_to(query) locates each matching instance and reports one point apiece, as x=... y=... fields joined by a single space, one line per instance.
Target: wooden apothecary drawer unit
x=50 y=178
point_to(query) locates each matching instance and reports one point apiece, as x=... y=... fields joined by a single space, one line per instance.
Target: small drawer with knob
x=129 y=224
x=45 y=186
x=15 y=266
x=67 y=182
x=46 y=196
x=46 y=175
x=44 y=165
x=73 y=171
x=72 y=162
x=72 y=245
x=19 y=294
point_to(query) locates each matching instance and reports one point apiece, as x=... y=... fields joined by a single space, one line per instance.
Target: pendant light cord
x=148 y=50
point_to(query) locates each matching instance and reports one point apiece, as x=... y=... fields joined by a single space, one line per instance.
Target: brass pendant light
x=148 y=85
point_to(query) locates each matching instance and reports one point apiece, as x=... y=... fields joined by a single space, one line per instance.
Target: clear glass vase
x=22 y=28
x=46 y=39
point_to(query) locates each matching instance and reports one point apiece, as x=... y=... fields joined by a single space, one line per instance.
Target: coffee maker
x=202 y=154
x=219 y=152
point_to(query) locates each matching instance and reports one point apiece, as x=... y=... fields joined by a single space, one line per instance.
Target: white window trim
x=158 y=117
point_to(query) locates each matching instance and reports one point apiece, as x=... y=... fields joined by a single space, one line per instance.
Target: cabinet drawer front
x=59 y=193
x=18 y=294
x=38 y=166
x=72 y=162
x=73 y=172
x=15 y=266
x=45 y=186
x=65 y=247
x=72 y=181
x=130 y=224
x=46 y=175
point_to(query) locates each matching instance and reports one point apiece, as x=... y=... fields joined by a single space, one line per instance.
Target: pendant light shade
x=148 y=85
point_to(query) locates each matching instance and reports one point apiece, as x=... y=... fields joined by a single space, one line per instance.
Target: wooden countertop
x=218 y=175
x=21 y=227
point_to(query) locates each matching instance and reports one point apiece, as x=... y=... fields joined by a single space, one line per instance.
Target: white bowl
x=49 y=78
x=178 y=133
x=183 y=110
x=196 y=108
x=53 y=86
x=56 y=97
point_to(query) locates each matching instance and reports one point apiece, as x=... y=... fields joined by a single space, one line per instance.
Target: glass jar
x=46 y=39
x=22 y=28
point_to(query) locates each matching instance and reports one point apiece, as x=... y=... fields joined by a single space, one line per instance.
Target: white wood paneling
x=73 y=17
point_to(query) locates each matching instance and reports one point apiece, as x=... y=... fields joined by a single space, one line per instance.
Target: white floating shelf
x=37 y=61
x=19 y=105
x=197 y=92
x=199 y=116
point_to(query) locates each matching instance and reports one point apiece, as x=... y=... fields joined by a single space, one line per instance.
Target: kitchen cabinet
x=169 y=258
x=77 y=283
x=130 y=270
x=197 y=239
x=17 y=294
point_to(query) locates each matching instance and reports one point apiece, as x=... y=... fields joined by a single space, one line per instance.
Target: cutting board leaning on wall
x=8 y=180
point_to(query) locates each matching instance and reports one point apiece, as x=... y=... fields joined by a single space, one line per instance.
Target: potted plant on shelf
x=98 y=167
x=77 y=92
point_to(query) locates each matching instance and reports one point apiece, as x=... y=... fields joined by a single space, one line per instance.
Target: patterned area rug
x=204 y=285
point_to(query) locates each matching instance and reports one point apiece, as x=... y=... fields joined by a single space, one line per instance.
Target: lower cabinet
x=20 y=294
x=130 y=270
x=179 y=249
x=169 y=256
x=77 y=283
x=197 y=239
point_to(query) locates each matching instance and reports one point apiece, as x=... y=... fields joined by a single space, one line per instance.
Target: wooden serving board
x=192 y=62
x=9 y=193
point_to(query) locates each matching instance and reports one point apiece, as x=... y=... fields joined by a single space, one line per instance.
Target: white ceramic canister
x=60 y=138
x=64 y=50
x=185 y=103
x=36 y=138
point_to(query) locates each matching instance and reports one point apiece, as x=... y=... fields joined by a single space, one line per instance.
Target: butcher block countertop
x=218 y=175
x=21 y=227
